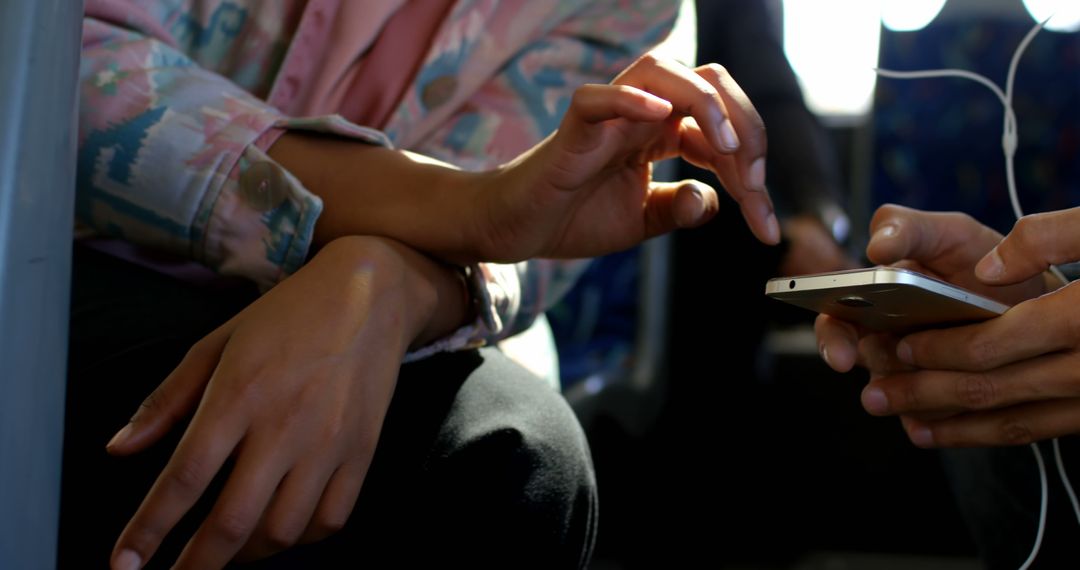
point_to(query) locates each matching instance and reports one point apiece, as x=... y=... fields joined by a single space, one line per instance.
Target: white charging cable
x=1065 y=480
x=1009 y=142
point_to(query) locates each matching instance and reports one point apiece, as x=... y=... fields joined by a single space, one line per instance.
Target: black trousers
x=479 y=463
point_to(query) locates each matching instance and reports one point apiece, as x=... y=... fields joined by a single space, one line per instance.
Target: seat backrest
x=938 y=141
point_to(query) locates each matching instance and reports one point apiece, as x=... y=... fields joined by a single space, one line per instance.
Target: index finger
x=1035 y=243
x=198 y=457
x=736 y=157
x=1032 y=328
x=258 y=472
x=689 y=94
x=748 y=125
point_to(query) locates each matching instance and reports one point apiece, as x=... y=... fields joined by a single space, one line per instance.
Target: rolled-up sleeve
x=171 y=156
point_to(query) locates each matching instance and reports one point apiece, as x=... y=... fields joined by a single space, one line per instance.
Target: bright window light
x=910 y=15
x=833 y=47
x=1066 y=13
x=681 y=43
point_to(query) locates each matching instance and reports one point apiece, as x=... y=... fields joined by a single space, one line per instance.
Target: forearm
x=376 y=191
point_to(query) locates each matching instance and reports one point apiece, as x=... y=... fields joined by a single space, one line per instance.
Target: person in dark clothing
x=714 y=400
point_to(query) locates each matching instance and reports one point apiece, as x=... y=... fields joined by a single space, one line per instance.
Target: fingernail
x=991 y=267
x=922 y=437
x=875 y=401
x=757 y=175
x=656 y=104
x=824 y=354
x=127 y=560
x=690 y=215
x=728 y=136
x=120 y=437
x=885 y=232
x=772 y=229
x=903 y=352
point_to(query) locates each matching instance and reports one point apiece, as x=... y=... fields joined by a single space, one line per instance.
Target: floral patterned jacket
x=180 y=99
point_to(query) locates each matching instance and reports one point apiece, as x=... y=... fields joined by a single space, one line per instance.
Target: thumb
x=942 y=242
x=673 y=205
x=1035 y=243
x=174 y=398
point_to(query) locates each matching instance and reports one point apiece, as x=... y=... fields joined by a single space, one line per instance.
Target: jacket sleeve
x=171 y=156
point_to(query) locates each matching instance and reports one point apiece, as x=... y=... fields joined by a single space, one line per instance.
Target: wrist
x=425 y=299
x=398 y=300
x=499 y=218
x=437 y=298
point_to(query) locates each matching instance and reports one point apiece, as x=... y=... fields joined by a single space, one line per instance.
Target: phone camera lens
x=791 y=285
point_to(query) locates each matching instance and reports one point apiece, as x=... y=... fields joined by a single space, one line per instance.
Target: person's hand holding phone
x=1005 y=381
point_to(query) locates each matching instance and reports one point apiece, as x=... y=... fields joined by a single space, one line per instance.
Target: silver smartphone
x=885 y=298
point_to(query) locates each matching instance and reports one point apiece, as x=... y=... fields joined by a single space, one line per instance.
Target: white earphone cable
x=1009 y=143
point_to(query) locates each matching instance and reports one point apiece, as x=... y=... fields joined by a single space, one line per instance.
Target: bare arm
x=372 y=190
x=586 y=190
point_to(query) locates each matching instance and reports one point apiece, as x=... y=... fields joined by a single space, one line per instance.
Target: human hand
x=811 y=249
x=943 y=245
x=588 y=189
x=1005 y=381
x=294 y=388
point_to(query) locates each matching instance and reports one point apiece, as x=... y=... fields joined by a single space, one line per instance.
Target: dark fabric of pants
x=479 y=464
x=997 y=490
